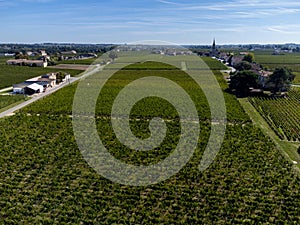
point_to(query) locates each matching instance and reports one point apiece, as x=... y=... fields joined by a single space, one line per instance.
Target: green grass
x=10 y=75
x=288 y=60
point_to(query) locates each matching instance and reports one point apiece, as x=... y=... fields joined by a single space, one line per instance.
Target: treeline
x=250 y=78
x=54 y=48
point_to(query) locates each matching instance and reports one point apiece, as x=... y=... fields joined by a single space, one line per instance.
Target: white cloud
x=286 y=29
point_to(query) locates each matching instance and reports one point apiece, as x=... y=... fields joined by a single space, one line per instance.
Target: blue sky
x=176 y=21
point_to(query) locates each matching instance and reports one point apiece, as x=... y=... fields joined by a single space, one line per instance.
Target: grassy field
x=288 y=60
x=8 y=100
x=268 y=58
x=45 y=180
x=10 y=75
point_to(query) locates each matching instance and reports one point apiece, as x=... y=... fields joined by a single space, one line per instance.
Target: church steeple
x=214 y=45
x=214 y=51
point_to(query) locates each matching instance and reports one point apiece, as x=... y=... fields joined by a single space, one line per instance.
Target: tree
x=280 y=80
x=244 y=65
x=21 y=56
x=113 y=55
x=249 y=58
x=60 y=76
x=242 y=81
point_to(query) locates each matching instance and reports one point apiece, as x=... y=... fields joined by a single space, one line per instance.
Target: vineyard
x=288 y=60
x=45 y=180
x=7 y=100
x=282 y=114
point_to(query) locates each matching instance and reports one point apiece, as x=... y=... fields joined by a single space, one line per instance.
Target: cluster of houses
x=38 y=85
x=44 y=59
x=172 y=52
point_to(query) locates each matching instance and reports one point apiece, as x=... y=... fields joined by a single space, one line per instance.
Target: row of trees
x=246 y=78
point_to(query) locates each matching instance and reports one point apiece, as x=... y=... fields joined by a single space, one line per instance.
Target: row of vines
x=45 y=180
x=282 y=114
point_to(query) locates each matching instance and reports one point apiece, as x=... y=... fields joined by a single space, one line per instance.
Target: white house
x=34 y=88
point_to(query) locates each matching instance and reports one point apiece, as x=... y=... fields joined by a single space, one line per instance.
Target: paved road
x=6 y=89
x=49 y=91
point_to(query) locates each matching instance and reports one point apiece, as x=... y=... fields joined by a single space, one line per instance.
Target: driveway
x=49 y=92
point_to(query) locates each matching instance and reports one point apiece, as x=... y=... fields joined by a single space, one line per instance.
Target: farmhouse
x=28 y=87
x=35 y=85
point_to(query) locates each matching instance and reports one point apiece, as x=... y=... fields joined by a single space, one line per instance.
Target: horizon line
x=191 y=44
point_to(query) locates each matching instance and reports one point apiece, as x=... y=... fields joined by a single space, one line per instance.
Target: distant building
x=25 y=62
x=214 y=51
x=37 y=84
x=43 y=53
x=72 y=52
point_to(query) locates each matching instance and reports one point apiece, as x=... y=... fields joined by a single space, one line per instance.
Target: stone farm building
x=25 y=62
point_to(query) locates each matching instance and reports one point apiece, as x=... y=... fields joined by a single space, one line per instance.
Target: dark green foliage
x=244 y=65
x=242 y=81
x=60 y=76
x=249 y=58
x=280 y=80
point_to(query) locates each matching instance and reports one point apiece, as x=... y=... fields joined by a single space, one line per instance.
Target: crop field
x=6 y=100
x=282 y=114
x=297 y=78
x=288 y=60
x=79 y=61
x=10 y=75
x=45 y=180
